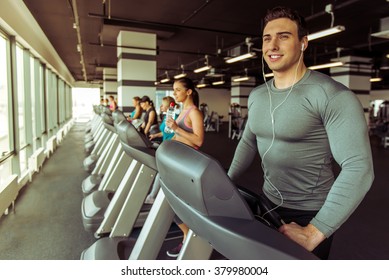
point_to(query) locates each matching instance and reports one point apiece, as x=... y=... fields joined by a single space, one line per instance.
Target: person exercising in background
x=112 y=103
x=188 y=129
x=299 y=122
x=150 y=118
x=137 y=112
x=162 y=134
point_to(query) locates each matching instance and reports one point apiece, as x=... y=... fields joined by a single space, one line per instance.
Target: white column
x=240 y=92
x=137 y=66
x=355 y=74
x=110 y=84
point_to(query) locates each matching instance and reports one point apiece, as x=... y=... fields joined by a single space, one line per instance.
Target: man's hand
x=308 y=237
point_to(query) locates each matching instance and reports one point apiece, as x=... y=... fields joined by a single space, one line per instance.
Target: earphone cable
x=273 y=129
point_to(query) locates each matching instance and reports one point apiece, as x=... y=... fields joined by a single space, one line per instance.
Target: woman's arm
x=156 y=135
x=150 y=122
x=138 y=112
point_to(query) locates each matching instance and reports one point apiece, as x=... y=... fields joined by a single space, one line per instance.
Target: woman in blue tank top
x=164 y=107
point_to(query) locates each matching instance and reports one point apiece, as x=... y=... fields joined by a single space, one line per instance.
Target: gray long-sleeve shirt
x=321 y=120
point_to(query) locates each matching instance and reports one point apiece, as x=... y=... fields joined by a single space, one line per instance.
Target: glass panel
x=42 y=98
x=83 y=101
x=33 y=94
x=4 y=114
x=20 y=86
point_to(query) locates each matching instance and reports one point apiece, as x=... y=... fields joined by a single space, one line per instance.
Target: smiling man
x=300 y=122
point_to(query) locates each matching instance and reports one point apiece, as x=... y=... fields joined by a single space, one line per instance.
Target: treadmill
x=93 y=143
x=215 y=210
x=102 y=209
x=100 y=164
x=91 y=125
x=110 y=136
x=119 y=245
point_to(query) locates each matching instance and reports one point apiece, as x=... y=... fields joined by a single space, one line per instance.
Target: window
x=5 y=147
x=20 y=87
x=83 y=101
x=5 y=143
x=21 y=112
x=41 y=99
x=34 y=84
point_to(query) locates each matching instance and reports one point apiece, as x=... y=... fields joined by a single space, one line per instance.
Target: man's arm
x=244 y=154
x=350 y=146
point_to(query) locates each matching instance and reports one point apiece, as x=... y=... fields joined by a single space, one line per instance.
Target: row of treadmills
x=126 y=168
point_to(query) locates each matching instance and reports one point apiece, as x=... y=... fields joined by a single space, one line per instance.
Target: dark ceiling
x=188 y=30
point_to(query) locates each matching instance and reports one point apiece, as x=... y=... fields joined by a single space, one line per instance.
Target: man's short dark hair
x=284 y=12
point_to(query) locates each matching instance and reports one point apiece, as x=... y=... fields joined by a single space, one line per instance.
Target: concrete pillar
x=355 y=74
x=137 y=67
x=240 y=93
x=110 y=84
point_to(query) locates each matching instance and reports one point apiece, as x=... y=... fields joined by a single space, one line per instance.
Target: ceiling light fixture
x=268 y=75
x=202 y=83
x=182 y=74
x=218 y=83
x=167 y=79
x=241 y=57
x=241 y=79
x=221 y=82
x=179 y=76
x=204 y=68
x=247 y=55
x=326 y=65
x=376 y=79
x=326 y=32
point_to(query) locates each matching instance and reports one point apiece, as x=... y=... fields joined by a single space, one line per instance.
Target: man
x=300 y=122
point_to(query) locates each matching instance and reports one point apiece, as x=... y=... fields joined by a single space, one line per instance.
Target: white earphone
x=272 y=111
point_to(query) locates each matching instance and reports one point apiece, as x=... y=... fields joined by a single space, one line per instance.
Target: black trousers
x=303 y=218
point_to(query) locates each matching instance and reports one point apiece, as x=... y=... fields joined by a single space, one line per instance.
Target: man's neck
x=287 y=79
